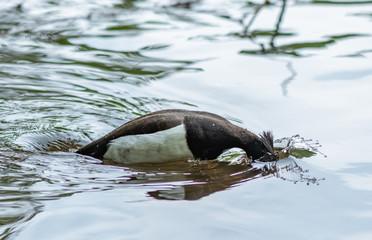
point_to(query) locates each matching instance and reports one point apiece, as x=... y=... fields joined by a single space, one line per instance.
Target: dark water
x=70 y=71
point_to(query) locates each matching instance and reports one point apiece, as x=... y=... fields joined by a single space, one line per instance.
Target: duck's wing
x=150 y=123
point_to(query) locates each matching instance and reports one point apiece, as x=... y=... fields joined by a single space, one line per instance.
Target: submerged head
x=262 y=148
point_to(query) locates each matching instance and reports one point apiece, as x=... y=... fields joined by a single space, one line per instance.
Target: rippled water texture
x=71 y=71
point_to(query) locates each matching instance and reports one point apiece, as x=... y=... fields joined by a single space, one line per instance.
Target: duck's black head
x=262 y=148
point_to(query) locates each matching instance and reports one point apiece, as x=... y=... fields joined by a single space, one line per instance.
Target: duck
x=177 y=134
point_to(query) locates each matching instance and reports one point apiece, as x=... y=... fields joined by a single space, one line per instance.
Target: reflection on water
x=209 y=178
x=289 y=79
x=259 y=37
x=275 y=33
x=191 y=180
x=71 y=71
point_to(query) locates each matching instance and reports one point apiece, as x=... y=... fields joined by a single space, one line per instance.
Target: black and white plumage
x=171 y=135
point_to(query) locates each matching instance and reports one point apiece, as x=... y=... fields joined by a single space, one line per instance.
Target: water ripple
x=72 y=71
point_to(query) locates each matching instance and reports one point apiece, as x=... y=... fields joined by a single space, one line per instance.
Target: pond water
x=71 y=71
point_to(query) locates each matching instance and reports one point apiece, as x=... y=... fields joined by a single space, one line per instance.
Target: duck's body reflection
x=192 y=180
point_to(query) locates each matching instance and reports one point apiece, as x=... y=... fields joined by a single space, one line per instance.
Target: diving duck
x=171 y=135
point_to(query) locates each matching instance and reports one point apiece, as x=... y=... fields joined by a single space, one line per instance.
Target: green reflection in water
x=340 y=2
x=350 y=35
x=289 y=49
x=306 y=45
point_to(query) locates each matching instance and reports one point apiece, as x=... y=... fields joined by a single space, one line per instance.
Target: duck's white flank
x=164 y=146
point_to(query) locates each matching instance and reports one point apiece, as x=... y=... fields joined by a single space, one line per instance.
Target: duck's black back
x=205 y=131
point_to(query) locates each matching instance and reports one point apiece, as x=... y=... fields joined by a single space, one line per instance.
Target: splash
x=297 y=147
x=286 y=168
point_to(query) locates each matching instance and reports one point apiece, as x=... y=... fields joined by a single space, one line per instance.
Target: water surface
x=71 y=71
